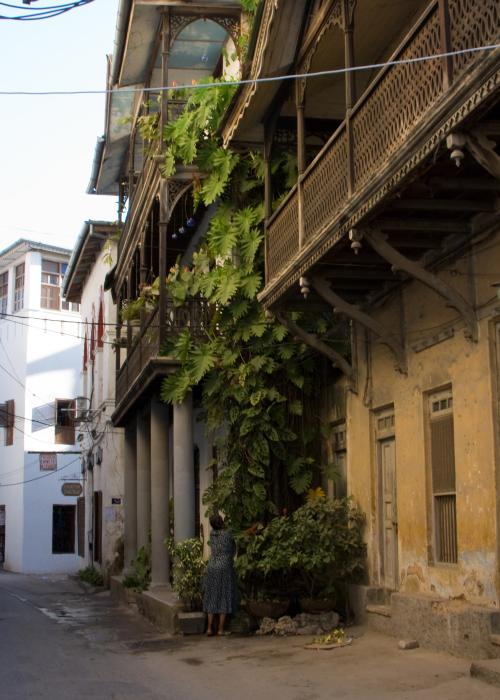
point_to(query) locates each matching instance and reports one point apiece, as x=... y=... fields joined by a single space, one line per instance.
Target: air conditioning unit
x=82 y=404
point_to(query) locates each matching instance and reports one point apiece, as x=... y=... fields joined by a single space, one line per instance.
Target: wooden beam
x=339 y=305
x=432 y=225
x=317 y=344
x=456 y=205
x=464 y=184
x=378 y=242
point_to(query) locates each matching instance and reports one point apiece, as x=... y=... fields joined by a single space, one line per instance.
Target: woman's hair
x=216 y=521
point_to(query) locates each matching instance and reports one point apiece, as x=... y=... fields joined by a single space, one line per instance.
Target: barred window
x=442 y=455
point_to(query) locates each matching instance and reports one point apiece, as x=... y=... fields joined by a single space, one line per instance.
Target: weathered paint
x=470 y=370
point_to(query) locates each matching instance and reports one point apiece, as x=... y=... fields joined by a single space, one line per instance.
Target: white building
x=40 y=358
x=101 y=443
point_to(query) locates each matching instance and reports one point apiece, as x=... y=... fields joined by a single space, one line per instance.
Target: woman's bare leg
x=222 y=620
x=210 y=624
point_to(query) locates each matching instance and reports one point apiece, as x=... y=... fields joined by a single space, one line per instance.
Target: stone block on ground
x=408 y=644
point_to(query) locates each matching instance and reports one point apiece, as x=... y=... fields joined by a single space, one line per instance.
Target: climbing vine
x=255 y=379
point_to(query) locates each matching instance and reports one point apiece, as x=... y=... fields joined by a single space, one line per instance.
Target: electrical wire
x=39 y=13
x=257 y=81
x=43 y=476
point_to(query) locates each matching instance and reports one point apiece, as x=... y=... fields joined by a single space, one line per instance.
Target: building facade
x=40 y=470
x=100 y=442
x=393 y=226
x=166 y=450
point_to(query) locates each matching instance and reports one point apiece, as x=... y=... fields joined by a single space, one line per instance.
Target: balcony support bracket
x=378 y=241
x=317 y=344
x=483 y=150
x=341 y=306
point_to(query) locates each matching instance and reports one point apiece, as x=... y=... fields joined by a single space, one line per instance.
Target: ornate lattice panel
x=283 y=237
x=472 y=23
x=325 y=186
x=397 y=103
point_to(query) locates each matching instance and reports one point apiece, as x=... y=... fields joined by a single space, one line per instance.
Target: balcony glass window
x=4 y=290
x=19 y=288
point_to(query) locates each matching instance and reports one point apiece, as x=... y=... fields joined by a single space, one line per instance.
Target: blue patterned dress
x=219 y=595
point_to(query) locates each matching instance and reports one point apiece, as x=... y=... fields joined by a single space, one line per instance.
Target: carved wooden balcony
x=401 y=119
x=145 y=360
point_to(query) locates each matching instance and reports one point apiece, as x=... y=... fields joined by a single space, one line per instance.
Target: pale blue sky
x=47 y=143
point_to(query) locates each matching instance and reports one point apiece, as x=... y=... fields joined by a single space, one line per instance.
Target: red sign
x=48 y=461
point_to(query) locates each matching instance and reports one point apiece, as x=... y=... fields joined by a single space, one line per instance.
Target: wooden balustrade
x=382 y=123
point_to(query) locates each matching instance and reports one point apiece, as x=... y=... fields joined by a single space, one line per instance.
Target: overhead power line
x=256 y=81
x=30 y=14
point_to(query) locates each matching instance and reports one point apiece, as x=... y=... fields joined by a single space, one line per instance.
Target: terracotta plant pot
x=267 y=608
x=316 y=606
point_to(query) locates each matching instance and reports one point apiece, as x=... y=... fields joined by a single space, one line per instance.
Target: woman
x=219 y=596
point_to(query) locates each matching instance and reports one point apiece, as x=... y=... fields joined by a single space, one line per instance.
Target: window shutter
x=43 y=416
x=443 y=454
x=10 y=416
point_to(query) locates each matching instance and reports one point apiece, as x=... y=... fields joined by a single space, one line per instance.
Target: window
x=7 y=417
x=51 y=284
x=19 y=288
x=4 y=291
x=442 y=457
x=65 y=424
x=63 y=529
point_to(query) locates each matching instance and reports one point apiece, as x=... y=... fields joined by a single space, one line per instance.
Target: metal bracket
x=339 y=305
x=378 y=242
x=317 y=344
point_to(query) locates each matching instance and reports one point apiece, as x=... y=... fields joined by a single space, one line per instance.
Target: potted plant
x=328 y=550
x=188 y=570
x=263 y=567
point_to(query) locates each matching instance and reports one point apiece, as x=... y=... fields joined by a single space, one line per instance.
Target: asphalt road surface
x=58 y=642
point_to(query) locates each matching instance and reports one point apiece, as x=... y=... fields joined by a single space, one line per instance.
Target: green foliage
x=188 y=571
x=91 y=575
x=140 y=578
x=131 y=310
x=256 y=380
x=311 y=552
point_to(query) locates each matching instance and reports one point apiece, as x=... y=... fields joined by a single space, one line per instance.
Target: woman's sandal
x=210 y=633
x=224 y=633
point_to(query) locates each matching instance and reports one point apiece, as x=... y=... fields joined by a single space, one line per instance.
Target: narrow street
x=58 y=642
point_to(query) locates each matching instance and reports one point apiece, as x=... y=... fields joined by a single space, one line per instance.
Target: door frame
x=385 y=431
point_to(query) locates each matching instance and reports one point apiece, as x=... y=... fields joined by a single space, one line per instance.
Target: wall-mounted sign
x=71 y=488
x=48 y=461
x=116 y=501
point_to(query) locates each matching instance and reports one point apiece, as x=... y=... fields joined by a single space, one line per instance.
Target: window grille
x=442 y=455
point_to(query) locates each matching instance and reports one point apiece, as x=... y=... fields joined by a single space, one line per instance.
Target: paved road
x=59 y=643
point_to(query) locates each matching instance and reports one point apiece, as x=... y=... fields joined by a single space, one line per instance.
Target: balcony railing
x=146 y=346
x=380 y=126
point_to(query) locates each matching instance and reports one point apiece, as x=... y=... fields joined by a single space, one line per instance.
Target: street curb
x=487 y=671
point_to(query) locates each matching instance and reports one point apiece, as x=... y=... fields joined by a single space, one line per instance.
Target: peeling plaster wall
x=471 y=371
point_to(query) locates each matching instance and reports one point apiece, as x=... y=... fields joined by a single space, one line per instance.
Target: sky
x=47 y=143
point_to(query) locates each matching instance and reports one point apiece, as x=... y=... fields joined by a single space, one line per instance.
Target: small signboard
x=71 y=488
x=48 y=461
x=115 y=501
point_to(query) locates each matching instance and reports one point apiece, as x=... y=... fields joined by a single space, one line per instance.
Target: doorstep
x=487 y=671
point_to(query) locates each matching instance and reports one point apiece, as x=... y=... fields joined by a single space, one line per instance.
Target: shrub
x=312 y=552
x=188 y=571
x=91 y=575
x=140 y=578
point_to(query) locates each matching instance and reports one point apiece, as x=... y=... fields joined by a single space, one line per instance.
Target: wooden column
x=165 y=51
x=162 y=246
x=445 y=39
x=301 y=157
x=350 y=88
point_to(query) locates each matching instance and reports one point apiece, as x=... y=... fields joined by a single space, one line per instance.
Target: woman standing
x=219 y=596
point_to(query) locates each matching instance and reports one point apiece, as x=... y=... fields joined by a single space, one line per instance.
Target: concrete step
x=495 y=639
x=384 y=610
x=487 y=671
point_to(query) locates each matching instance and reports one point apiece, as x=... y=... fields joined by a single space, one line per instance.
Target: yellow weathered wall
x=469 y=368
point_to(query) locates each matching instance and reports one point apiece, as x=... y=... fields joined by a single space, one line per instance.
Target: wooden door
x=389 y=523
